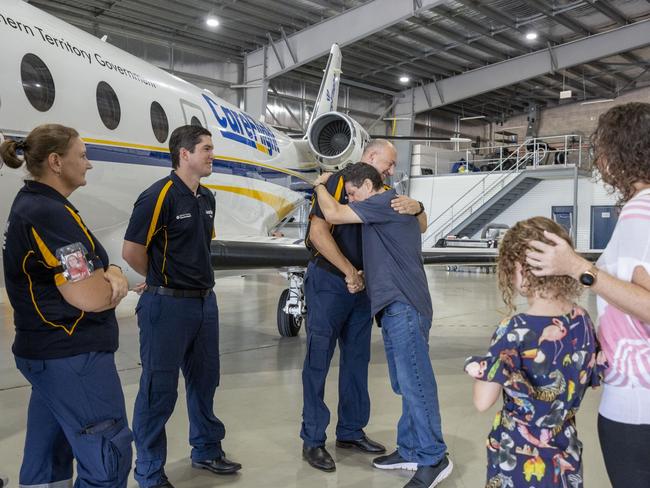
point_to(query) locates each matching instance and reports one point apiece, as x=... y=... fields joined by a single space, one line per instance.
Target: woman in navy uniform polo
x=66 y=330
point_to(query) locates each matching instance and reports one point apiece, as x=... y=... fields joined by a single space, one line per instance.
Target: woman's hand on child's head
x=555 y=259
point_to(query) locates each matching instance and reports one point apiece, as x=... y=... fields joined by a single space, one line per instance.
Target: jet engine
x=336 y=140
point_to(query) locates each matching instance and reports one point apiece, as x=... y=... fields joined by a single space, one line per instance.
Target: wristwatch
x=588 y=278
x=420 y=211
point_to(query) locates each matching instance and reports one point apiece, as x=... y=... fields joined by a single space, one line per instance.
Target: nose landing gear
x=292 y=311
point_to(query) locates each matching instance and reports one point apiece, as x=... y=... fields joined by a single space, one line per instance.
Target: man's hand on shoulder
x=322 y=179
x=406 y=205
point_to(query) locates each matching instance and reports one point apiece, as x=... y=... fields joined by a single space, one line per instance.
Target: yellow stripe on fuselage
x=130 y=145
x=281 y=205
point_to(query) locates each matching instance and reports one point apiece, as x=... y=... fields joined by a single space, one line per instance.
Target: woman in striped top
x=621 y=279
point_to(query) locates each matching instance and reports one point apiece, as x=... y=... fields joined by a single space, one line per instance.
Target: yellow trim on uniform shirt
x=164 y=257
x=281 y=205
x=156 y=211
x=337 y=196
x=50 y=259
x=81 y=224
x=339 y=189
x=38 y=310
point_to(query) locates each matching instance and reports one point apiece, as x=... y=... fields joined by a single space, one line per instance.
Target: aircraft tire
x=288 y=325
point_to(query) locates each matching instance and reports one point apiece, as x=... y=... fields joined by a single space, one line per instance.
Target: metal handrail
x=515 y=169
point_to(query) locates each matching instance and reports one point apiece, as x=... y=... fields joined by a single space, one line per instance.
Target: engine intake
x=336 y=140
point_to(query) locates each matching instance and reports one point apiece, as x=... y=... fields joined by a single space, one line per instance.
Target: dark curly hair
x=621 y=144
x=357 y=173
x=512 y=250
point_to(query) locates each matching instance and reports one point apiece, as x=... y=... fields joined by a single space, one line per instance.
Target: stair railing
x=476 y=196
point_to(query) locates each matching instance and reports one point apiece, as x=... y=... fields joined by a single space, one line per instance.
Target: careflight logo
x=242 y=128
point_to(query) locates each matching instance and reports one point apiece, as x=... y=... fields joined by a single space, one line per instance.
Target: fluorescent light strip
x=473 y=117
x=602 y=100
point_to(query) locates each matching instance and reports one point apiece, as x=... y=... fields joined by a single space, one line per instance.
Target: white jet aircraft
x=125 y=110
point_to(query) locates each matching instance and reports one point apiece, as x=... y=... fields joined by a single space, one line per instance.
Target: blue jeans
x=335 y=315
x=76 y=410
x=176 y=333
x=406 y=339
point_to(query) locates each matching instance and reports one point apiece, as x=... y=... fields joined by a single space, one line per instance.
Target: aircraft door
x=193 y=114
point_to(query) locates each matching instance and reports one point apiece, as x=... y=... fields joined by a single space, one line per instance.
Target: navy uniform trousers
x=76 y=410
x=335 y=315
x=176 y=333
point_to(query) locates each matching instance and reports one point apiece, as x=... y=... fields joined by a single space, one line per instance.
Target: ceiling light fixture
x=600 y=100
x=212 y=21
x=404 y=79
x=459 y=139
x=473 y=117
x=531 y=36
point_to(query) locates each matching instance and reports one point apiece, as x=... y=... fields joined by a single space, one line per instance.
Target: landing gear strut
x=292 y=311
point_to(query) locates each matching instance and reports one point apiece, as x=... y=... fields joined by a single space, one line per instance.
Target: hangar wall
x=440 y=192
x=573 y=118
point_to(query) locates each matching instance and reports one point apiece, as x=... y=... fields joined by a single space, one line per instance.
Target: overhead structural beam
x=275 y=50
x=383 y=114
x=516 y=70
x=286 y=41
x=352 y=25
x=553 y=58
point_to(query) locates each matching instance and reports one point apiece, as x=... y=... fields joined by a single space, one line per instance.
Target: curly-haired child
x=543 y=360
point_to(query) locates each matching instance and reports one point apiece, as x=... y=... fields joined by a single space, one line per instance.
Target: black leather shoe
x=220 y=465
x=164 y=484
x=364 y=445
x=319 y=458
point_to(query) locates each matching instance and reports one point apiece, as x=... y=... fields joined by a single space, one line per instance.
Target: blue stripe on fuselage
x=146 y=157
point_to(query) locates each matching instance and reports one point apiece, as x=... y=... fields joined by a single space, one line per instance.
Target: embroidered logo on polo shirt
x=183 y=216
x=210 y=213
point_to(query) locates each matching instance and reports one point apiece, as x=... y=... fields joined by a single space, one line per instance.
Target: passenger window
x=37 y=82
x=195 y=121
x=159 y=122
x=108 y=105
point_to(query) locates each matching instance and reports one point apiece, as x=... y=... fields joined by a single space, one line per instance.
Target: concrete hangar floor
x=260 y=397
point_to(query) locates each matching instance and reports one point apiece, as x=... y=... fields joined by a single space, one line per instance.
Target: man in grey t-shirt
x=399 y=297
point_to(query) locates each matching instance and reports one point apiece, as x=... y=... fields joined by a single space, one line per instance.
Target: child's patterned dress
x=545 y=365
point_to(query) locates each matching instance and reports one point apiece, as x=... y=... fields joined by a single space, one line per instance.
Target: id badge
x=76 y=266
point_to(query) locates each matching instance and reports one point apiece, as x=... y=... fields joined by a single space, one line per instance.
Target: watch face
x=587 y=279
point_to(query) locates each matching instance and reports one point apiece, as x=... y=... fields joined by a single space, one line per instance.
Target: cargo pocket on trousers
x=113 y=439
x=163 y=390
x=318 y=351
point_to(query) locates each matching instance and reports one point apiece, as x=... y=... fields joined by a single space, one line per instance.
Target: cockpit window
x=195 y=121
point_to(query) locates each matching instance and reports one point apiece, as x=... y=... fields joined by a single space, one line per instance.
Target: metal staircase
x=488 y=198
x=487 y=212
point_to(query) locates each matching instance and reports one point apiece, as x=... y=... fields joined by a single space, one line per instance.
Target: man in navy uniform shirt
x=168 y=241
x=338 y=310
x=399 y=297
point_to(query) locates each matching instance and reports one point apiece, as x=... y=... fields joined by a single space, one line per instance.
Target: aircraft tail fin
x=328 y=95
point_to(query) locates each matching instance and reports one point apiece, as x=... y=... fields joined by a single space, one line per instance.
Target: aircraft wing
x=278 y=252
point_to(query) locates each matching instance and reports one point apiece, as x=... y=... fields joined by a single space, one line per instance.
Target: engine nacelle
x=336 y=140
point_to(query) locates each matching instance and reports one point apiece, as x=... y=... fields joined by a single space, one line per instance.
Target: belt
x=327 y=266
x=176 y=293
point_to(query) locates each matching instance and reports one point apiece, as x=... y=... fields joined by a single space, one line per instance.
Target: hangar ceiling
x=451 y=38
